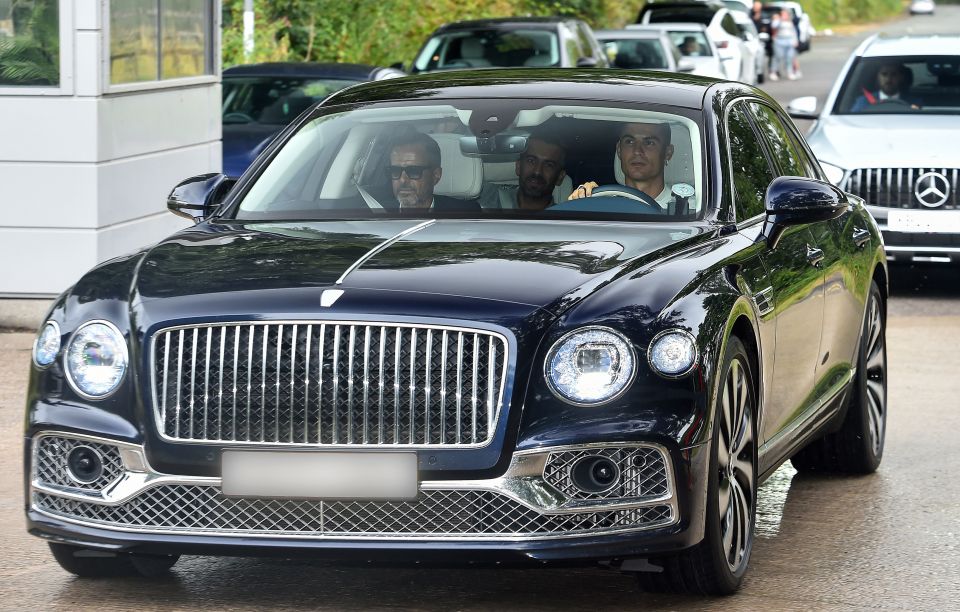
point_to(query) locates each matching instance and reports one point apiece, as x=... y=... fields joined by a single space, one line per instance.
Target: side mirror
x=792 y=200
x=803 y=108
x=397 y=66
x=587 y=62
x=686 y=65
x=197 y=197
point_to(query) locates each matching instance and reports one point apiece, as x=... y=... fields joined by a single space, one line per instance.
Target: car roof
x=933 y=44
x=303 y=69
x=684 y=4
x=500 y=22
x=678 y=26
x=635 y=33
x=593 y=84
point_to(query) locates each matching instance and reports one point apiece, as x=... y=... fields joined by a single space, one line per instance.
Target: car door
x=723 y=30
x=792 y=289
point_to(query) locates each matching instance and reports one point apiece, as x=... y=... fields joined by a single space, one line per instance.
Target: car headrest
x=471 y=48
x=462 y=176
x=680 y=167
x=542 y=59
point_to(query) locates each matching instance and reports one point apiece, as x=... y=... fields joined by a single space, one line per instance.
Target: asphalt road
x=889 y=541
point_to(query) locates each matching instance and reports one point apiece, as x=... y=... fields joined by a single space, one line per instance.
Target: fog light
x=595 y=474
x=84 y=465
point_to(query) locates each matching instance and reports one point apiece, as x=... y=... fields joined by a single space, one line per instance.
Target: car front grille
x=448 y=513
x=896 y=187
x=50 y=464
x=329 y=383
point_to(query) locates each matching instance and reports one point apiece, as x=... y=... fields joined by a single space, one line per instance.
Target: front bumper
x=532 y=512
x=908 y=247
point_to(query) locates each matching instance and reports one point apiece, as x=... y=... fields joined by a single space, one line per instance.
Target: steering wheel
x=622 y=191
x=237 y=117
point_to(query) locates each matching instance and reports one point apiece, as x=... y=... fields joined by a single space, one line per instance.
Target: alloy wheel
x=876 y=377
x=736 y=477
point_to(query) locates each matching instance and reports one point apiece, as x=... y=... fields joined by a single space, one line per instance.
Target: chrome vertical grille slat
x=879 y=187
x=332 y=383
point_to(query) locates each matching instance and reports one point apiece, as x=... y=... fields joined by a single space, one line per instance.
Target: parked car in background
x=753 y=42
x=643 y=50
x=738 y=6
x=323 y=366
x=922 y=7
x=259 y=100
x=693 y=43
x=736 y=58
x=801 y=20
x=511 y=42
x=888 y=132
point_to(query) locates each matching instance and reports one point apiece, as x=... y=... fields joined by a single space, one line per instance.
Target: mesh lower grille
x=469 y=513
x=50 y=467
x=643 y=472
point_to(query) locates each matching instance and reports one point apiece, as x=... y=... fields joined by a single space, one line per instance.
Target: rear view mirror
x=198 y=197
x=803 y=108
x=497 y=144
x=686 y=65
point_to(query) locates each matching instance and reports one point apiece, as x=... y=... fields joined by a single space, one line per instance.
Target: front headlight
x=834 y=173
x=673 y=353
x=590 y=366
x=47 y=344
x=96 y=359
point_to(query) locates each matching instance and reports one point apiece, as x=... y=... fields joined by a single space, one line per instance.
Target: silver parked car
x=888 y=133
x=643 y=50
x=694 y=43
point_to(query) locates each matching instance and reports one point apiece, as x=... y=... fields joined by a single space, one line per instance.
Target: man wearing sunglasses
x=415 y=170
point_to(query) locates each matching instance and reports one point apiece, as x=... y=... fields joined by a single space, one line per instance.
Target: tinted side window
x=729 y=25
x=781 y=145
x=586 y=41
x=749 y=166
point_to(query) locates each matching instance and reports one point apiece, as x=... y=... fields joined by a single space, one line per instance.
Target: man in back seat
x=539 y=170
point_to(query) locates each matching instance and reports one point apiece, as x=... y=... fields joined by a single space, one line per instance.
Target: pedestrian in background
x=785 y=43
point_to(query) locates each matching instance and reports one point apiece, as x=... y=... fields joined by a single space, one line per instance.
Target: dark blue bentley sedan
x=259 y=100
x=524 y=316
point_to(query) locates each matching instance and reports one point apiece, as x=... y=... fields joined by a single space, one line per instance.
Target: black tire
x=857 y=448
x=96 y=564
x=718 y=564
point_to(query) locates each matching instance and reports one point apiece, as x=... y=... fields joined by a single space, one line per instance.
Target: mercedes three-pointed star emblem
x=932 y=189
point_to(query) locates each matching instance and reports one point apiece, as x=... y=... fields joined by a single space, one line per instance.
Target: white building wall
x=85 y=168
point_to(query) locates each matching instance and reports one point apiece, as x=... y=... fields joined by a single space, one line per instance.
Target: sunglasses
x=413 y=172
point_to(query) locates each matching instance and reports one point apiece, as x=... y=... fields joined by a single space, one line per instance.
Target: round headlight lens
x=47 y=346
x=673 y=353
x=96 y=359
x=590 y=366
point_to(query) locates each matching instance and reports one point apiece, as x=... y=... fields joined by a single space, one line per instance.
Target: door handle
x=861 y=237
x=814 y=256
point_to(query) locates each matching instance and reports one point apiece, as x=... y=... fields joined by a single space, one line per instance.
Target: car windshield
x=928 y=85
x=484 y=158
x=498 y=48
x=687 y=14
x=691 y=43
x=635 y=53
x=274 y=100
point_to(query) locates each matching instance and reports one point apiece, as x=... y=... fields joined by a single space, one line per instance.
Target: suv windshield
x=484 y=158
x=500 y=48
x=274 y=100
x=898 y=85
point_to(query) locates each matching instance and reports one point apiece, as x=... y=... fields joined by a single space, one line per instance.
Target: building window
x=153 y=40
x=29 y=43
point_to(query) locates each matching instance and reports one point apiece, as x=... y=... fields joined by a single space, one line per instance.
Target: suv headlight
x=96 y=359
x=834 y=173
x=590 y=366
x=47 y=344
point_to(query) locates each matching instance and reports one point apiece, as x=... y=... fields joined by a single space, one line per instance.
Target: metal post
x=247 y=28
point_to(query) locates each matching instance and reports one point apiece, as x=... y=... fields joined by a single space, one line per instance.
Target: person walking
x=785 y=43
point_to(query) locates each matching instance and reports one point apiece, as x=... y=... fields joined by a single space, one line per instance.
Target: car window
x=781 y=145
x=274 y=100
x=748 y=164
x=586 y=40
x=901 y=85
x=690 y=43
x=437 y=157
x=489 y=48
x=632 y=53
x=729 y=25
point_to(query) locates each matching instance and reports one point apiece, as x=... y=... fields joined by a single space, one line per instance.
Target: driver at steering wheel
x=892 y=82
x=644 y=150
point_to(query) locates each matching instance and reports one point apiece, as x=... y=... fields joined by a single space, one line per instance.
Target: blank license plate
x=320 y=475
x=933 y=221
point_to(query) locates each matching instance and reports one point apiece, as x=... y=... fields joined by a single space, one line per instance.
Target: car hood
x=882 y=141
x=281 y=268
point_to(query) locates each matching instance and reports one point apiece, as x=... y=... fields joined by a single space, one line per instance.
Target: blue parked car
x=259 y=100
